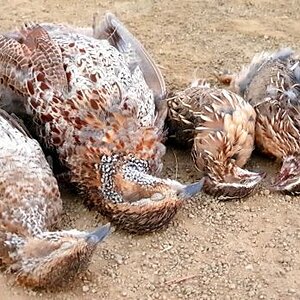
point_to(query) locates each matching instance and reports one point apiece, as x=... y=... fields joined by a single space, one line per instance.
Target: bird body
x=221 y=126
x=271 y=84
x=30 y=205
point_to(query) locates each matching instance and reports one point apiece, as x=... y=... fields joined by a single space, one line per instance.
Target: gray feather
x=257 y=62
x=283 y=54
x=297 y=73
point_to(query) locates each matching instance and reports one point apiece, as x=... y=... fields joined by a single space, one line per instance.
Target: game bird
x=30 y=205
x=220 y=125
x=271 y=84
x=97 y=99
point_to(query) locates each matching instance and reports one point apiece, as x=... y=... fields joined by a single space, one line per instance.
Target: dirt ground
x=245 y=249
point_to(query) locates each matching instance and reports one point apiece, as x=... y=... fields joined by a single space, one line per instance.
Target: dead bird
x=99 y=103
x=30 y=205
x=220 y=125
x=271 y=84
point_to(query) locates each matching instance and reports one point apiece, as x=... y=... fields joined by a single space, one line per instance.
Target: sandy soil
x=212 y=250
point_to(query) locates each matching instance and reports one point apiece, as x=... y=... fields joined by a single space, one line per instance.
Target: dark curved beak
x=99 y=234
x=192 y=189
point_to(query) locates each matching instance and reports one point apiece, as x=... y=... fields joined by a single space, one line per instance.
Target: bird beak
x=192 y=189
x=99 y=234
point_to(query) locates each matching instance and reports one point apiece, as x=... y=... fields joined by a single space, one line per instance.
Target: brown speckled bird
x=221 y=126
x=271 y=84
x=98 y=102
x=30 y=204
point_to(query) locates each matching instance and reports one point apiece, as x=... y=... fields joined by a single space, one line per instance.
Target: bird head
x=51 y=259
x=134 y=199
x=130 y=179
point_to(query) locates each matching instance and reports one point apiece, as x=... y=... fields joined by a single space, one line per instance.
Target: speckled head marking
x=123 y=188
x=108 y=170
x=127 y=180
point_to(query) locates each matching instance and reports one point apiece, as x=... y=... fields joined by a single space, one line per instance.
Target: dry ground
x=236 y=250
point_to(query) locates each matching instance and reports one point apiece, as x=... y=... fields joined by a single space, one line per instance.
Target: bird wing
x=119 y=36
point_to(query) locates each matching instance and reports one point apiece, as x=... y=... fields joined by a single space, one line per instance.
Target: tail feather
x=119 y=36
x=15 y=122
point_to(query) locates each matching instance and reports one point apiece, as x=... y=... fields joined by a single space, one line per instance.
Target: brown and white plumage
x=95 y=107
x=30 y=204
x=221 y=126
x=271 y=84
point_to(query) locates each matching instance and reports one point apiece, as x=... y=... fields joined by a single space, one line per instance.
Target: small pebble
x=85 y=288
x=119 y=259
x=232 y=286
x=291 y=291
x=287 y=198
